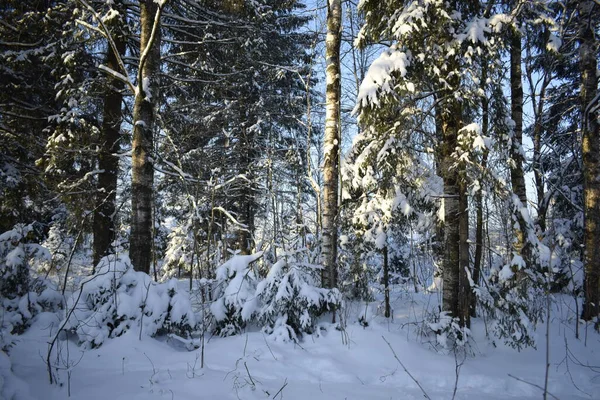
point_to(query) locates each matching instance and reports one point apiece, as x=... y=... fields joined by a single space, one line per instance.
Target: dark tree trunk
x=450 y=263
x=537 y=171
x=141 y=157
x=516 y=153
x=456 y=288
x=537 y=104
x=589 y=14
x=478 y=260
x=465 y=291
x=386 y=282
x=248 y=193
x=438 y=245
x=106 y=195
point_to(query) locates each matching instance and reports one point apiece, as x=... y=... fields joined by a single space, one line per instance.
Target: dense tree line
x=182 y=132
x=444 y=80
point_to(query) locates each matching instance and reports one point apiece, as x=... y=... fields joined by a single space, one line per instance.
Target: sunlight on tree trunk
x=332 y=143
x=142 y=174
x=588 y=53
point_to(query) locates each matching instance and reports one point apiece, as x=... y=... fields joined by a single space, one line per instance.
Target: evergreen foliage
x=117 y=299
x=22 y=295
x=290 y=300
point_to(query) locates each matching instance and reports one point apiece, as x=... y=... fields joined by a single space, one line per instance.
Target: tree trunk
x=537 y=170
x=456 y=288
x=464 y=288
x=588 y=53
x=106 y=195
x=142 y=171
x=438 y=244
x=248 y=193
x=516 y=151
x=386 y=282
x=332 y=142
x=477 y=262
x=451 y=240
x=537 y=104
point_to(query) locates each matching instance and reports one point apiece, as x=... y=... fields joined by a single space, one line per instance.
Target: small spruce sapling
x=235 y=299
x=117 y=298
x=22 y=296
x=290 y=300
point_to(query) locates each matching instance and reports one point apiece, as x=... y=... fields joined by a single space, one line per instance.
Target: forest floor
x=355 y=364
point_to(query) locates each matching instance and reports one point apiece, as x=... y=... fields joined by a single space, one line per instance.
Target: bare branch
x=106 y=33
x=406 y=370
x=146 y=51
x=534 y=385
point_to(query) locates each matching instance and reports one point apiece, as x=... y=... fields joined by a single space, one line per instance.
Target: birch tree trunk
x=106 y=195
x=142 y=171
x=332 y=142
x=588 y=53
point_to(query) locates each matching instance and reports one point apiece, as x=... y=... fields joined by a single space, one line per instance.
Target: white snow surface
x=11 y=387
x=322 y=367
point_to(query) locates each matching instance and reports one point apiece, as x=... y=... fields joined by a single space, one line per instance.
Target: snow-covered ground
x=356 y=364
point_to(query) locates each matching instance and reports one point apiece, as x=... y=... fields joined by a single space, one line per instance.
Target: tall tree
x=142 y=159
x=539 y=65
x=434 y=65
x=589 y=17
x=110 y=139
x=517 y=154
x=332 y=142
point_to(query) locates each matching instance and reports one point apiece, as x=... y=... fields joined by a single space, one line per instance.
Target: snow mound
x=117 y=298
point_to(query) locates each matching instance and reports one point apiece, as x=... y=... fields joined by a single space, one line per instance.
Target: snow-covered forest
x=294 y=199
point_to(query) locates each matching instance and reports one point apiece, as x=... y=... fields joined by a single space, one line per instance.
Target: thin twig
x=123 y=75
x=71 y=254
x=62 y=327
x=534 y=385
x=566 y=360
x=269 y=347
x=406 y=370
x=249 y=376
x=458 y=366
x=285 y=383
